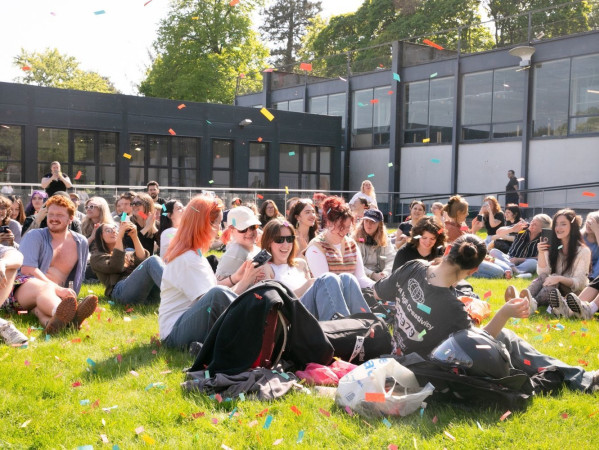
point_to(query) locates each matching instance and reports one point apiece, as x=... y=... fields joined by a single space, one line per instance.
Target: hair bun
x=467 y=250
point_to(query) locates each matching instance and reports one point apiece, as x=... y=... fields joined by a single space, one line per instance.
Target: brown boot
x=86 y=308
x=64 y=314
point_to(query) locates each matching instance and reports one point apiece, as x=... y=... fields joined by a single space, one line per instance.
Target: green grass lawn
x=81 y=388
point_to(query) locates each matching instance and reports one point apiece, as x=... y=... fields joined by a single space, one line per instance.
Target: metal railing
x=522 y=28
x=582 y=197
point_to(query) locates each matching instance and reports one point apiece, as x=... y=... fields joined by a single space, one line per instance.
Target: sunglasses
x=253 y=227
x=281 y=239
x=90 y=207
x=137 y=203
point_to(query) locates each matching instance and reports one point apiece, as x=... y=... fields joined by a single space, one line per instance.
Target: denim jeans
x=195 y=323
x=501 y=259
x=487 y=269
x=526 y=358
x=143 y=285
x=332 y=294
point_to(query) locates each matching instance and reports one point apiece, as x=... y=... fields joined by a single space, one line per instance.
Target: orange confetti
x=260 y=196
x=181 y=106
x=582 y=362
x=259 y=139
x=261 y=413
x=505 y=415
x=295 y=410
x=306 y=66
x=324 y=412
x=390 y=92
x=523 y=205
x=259 y=297
x=172 y=132
x=233 y=2
x=487 y=294
x=198 y=415
x=374 y=101
x=143 y=215
x=432 y=44
x=242 y=75
x=25 y=68
x=79 y=173
x=588 y=194
x=527 y=362
x=374 y=397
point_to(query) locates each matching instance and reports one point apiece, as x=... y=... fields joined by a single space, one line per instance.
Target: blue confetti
x=386 y=422
x=267 y=422
x=84 y=402
x=242 y=397
x=233 y=413
x=140 y=266
x=206 y=374
x=370 y=175
x=97 y=13
x=208 y=122
x=291 y=153
x=433 y=75
x=583 y=329
x=208 y=310
x=123 y=217
x=47 y=337
x=91 y=362
x=424 y=308
x=164 y=208
x=421 y=412
x=85 y=447
x=300 y=437
x=396 y=77
x=435 y=160
x=200 y=252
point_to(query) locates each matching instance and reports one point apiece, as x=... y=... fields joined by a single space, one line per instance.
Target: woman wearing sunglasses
x=97 y=212
x=239 y=237
x=333 y=250
x=323 y=296
x=129 y=277
x=143 y=217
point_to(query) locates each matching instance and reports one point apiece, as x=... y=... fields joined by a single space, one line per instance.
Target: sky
x=115 y=44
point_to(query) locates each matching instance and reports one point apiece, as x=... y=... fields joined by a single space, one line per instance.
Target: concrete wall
x=425 y=170
x=365 y=162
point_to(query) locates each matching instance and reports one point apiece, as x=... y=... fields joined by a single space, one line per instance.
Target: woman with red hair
x=333 y=250
x=191 y=301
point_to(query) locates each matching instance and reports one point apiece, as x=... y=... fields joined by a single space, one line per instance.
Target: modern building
x=429 y=120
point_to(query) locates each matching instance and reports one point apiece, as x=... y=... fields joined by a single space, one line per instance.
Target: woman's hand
x=249 y=274
x=7 y=236
x=552 y=280
x=376 y=276
x=517 y=308
x=542 y=247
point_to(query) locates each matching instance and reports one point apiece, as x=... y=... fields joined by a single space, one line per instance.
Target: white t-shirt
x=290 y=276
x=234 y=257
x=165 y=239
x=184 y=279
x=371 y=201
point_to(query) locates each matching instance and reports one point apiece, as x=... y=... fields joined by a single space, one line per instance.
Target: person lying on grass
x=129 y=277
x=428 y=311
x=10 y=262
x=53 y=257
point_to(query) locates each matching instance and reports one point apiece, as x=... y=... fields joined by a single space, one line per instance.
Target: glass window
x=83 y=144
x=136 y=176
x=416 y=111
x=325 y=182
x=325 y=159
x=108 y=144
x=382 y=115
x=296 y=105
x=221 y=154
x=159 y=174
x=337 y=107
x=362 y=119
x=441 y=106
x=289 y=158
x=584 y=100
x=309 y=181
x=318 y=105
x=256 y=179
x=52 y=145
x=508 y=95
x=221 y=178
x=158 y=151
x=310 y=159
x=10 y=153
x=184 y=177
x=10 y=172
x=281 y=106
x=258 y=153
x=184 y=152
x=291 y=180
x=107 y=175
x=477 y=98
x=550 y=98
x=137 y=149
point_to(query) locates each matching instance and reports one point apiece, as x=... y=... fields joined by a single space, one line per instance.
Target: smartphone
x=546 y=234
x=479 y=217
x=262 y=258
x=4 y=229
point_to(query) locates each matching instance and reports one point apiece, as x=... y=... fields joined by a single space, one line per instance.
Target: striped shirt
x=339 y=262
x=523 y=247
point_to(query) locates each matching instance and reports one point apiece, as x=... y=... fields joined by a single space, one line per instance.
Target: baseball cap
x=373 y=214
x=241 y=218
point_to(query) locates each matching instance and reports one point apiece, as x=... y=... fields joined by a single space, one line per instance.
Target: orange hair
x=64 y=202
x=195 y=230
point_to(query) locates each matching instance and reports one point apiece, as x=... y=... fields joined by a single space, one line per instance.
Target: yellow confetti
x=586 y=350
x=195 y=18
x=126 y=155
x=286 y=190
x=546 y=338
x=148 y=440
x=266 y=113
x=426 y=140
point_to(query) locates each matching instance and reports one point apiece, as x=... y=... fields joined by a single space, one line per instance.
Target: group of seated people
x=155 y=251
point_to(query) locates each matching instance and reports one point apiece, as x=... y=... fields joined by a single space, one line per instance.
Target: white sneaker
x=11 y=335
x=558 y=304
x=580 y=309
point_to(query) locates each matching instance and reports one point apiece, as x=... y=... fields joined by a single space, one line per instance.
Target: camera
x=262 y=258
x=546 y=234
x=4 y=229
x=479 y=217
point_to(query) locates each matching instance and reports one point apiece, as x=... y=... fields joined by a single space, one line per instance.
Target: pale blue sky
x=114 y=44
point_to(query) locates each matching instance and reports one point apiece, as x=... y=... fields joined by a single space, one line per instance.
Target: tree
x=52 y=69
x=285 y=23
x=202 y=47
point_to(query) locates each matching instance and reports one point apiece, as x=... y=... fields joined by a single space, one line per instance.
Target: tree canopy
x=285 y=24
x=202 y=47
x=52 y=69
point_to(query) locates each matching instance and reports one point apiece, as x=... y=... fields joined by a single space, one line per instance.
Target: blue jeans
x=143 y=285
x=195 y=323
x=501 y=259
x=576 y=378
x=487 y=269
x=332 y=294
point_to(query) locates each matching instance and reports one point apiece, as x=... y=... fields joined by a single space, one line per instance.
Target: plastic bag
x=325 y=375
x=382 y=387
x=477 y=309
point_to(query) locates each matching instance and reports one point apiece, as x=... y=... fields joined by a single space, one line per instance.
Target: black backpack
x=358 y=337
x=265 y=323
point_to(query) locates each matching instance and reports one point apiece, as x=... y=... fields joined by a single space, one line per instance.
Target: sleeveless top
x=290 y=276
x=343 y=261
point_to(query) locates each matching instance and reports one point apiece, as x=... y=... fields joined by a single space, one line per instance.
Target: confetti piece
x=586 y=350
x=424 y=308
x=126 y=155
x=172 y=132
x=422 y=333
x=261 y=197
x=295 y=410
x=374 y=397
x=148 y=440
x=435 y=160
x=433 y=75
x=25 y=68
x=446 y=433
x=589 y=194
x=104 y=438
x=134 y=373
x=214 y=420
x=27 y=422
x=527 y=362
x=487 y=294
x=300 y=437
x=253 y=423
x=523 y=205
x=266 y=113
x=76 y=384
x=148 y=2
x=370 y=175
x=277 y=442
x=390 y=92
x=198 y=415
x=386 y=422
x=233 y=2
x=97 y=13
x=233 y=413
x=181 y=106
x=560 y=247
x=432 y=44
x=270 y=69
x=426 y=140
x=206 y=374
x=593 y=413
x=79 y=173
x=224 y=447
x=324 y=412
x=91 y=362
x=259 y=297
x=286 y=190
x=396 y=77
x=27 y=363
x=208 y=122
x=210 y=181
x=374 y=101
x=582 y=362
x=394 y=447
x=267 y=422
x=259 y=139
x=218 y=398
x=291 y=153
x=139 y=430
x=564 y=415
x=505 y=415
x=435 y=419
x=306 y=66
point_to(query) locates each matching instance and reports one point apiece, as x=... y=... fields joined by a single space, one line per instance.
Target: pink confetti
x=505 y=415
x=214 y=420
x=134 y=373
x=435 y=419
x=27 y=363
x=349 y=411
x=564 y=415
x=218 y=398
x=324 y=412
x=139 y=430
x=253 y=423
x=104 y=438
x=392 y=447
x=119 y=358
x=487 y=294
x=76 y=384
x=277 y=442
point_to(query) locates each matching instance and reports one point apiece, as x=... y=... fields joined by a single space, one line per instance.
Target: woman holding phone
x=563 y=264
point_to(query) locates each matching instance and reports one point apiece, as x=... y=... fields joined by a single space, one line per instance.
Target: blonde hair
x=456 y=205
x=87 y=226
